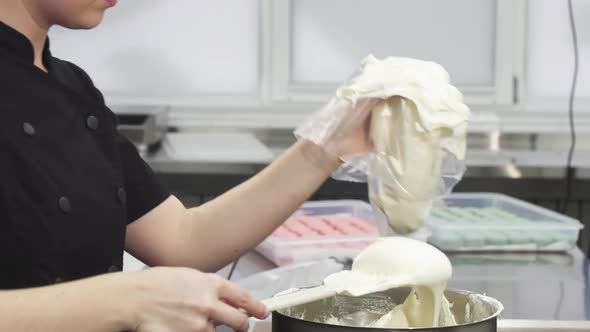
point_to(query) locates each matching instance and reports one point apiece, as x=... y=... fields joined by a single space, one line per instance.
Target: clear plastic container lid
x=488 y=221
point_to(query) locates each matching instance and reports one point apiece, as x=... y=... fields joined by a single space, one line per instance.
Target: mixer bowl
x=473 y=313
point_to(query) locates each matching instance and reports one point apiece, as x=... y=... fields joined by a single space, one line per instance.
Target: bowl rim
x=495 y=316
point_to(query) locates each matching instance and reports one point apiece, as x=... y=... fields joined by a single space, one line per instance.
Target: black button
x=58 y=280
x=92 y=122
x=113 y=268
x=29 y=129
x=122 y=194
x=64 y=205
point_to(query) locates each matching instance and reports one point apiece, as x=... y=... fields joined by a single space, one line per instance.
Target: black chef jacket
x=69 y=183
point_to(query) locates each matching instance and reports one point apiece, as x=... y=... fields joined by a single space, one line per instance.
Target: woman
x=74 y=194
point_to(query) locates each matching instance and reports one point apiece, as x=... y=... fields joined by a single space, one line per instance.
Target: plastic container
x=322 y=229
x=496 y=222
x=268 y=283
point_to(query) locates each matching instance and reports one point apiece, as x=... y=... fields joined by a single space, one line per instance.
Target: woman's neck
x=28 y=22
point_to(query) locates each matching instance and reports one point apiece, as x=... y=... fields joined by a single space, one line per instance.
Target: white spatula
x=353 y=283
x=376 y=269
x=297 y=297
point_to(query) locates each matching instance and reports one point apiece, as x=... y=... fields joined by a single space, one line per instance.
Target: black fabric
x=67 y=191
x=19 y=46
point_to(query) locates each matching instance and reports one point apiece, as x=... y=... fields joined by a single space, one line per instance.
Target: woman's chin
x=87 y=22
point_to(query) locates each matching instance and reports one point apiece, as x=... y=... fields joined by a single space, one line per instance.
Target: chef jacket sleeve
x=142 y=190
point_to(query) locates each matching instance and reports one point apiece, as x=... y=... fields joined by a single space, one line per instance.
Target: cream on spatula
x=390 y=262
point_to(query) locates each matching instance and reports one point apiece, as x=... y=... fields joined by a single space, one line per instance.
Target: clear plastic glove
x=340 y=127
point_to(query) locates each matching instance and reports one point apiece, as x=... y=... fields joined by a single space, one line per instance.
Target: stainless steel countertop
x=481 y=162
x=531 y=286
x=161 y=162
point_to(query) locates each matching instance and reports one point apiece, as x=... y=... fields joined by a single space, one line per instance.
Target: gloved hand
x=340 y=127
x=400 y=126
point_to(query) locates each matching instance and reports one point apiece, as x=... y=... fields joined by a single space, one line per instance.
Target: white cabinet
x=169 y=51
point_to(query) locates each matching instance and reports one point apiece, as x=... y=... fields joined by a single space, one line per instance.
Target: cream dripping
x=400 y=262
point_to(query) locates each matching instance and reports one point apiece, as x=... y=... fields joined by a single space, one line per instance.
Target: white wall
x=550 y=54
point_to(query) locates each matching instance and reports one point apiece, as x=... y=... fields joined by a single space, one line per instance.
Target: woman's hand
x=182 y=299
x=340 y=127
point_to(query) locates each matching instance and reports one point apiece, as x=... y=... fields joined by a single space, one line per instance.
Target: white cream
x=398 y=262
x=421 y=118
x=418 y=308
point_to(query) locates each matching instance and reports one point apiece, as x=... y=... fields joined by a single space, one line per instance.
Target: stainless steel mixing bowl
x=473 y=313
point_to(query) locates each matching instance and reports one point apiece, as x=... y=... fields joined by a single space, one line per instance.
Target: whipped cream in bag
x=418 y=132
